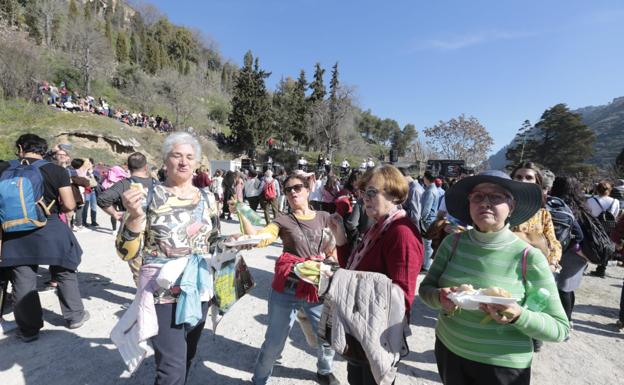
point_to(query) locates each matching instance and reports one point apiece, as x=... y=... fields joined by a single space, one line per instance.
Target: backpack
x=562 y=219
x=596 y=245
x=22 y=207
x=269 y=191
x=606 y=217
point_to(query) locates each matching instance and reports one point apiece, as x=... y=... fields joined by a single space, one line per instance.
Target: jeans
x=90 y=205
x=428 y=252
x=282 y=311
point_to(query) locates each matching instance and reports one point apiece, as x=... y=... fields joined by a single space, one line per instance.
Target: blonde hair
x=393 y=182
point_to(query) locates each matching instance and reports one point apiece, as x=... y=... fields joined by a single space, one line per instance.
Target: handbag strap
x=525 y=253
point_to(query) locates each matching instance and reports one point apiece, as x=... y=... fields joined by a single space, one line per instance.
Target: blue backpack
x=21 y=197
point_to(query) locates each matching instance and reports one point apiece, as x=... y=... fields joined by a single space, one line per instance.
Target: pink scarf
x=372 y=235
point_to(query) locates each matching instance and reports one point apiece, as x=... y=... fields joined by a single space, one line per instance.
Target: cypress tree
x=121 y=47
x=317 y=86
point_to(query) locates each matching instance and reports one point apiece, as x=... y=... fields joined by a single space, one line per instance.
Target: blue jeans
x=90 y=201
x=428 y=252
x=622 y=304
x=282 y=310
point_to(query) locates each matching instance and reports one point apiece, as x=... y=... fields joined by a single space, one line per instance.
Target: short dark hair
x=32 y=143
x=136 y=161
x=77 y=163
x=429 y=176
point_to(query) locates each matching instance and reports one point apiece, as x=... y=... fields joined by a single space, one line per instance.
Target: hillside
x=101 y=138
x=606 y=121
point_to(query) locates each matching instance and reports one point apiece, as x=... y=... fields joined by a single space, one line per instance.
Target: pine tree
x=121 y=47
x=317 y=86
x=619 y=163
x=108 y=31
x=250 y=118
x=564 y=142
x=523 y=146
x=135 y=50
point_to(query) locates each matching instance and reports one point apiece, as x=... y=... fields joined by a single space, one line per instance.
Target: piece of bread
x=466 y=288
x=496 y=292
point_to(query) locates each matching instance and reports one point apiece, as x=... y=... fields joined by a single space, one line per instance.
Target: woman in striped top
x=469 y=349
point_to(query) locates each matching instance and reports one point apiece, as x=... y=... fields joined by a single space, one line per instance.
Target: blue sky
x=424 y=61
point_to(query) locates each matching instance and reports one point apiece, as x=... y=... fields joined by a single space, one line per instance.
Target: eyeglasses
x=296 y=188
x=369 y=193
x=494 y=198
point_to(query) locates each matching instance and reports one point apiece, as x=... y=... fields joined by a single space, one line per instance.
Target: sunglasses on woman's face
x=369 y=193
x=494 y=198
x=296 y=188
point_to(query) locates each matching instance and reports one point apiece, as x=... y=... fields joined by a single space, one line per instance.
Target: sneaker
x=95 y=224
x=76 y=325
x=27 y=339
x=327 y=379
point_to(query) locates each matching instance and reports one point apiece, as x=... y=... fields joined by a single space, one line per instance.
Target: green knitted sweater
x=485 y=260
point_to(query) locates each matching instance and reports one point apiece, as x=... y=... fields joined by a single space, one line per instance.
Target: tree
x=619 y=163
x=152 y=56
x=136 y=50
x=177 y=90
x=523 y=146
x=9 y=11
x=250 y=118
x=317 y=86
x=402 y=139
x=90 y=51
x=41 y=16
x=563 y=142
x=460 y=138
x=121 y=47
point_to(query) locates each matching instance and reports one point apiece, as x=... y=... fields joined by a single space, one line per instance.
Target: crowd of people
x=527 y=236
x=64 y=99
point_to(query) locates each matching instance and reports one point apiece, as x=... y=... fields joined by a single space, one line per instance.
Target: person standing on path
x=53 y=244
x=181 y=222
x=304 y=235
x=110 y=200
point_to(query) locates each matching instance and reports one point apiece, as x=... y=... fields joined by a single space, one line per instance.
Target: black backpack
x=596 y=245
x=606 y=217
x=563 y=220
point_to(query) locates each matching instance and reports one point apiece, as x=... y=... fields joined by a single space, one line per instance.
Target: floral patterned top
x=174 y=228
x=541 y=223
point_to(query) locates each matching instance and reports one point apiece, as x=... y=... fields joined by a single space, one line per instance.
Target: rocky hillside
x=608 y=123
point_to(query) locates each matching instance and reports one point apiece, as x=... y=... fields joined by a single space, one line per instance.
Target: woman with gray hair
x=175 y=229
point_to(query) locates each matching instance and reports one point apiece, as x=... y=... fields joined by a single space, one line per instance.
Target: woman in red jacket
x=392 y=246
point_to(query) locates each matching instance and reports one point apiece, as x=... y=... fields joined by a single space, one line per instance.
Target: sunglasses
x=369 y=193
x=493 y=198
x=296 y=188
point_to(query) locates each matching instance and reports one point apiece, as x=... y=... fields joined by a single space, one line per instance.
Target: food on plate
x=466 y=288
x=309 y=270
x=496 y=292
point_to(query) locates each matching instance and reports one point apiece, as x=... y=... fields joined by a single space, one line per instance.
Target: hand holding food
x=309 y=271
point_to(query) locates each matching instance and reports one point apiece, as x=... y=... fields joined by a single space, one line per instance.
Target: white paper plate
x=303 y=277
x=246 y=240
x=472 y=301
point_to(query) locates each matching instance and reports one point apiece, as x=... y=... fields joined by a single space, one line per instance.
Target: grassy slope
x=18 y=117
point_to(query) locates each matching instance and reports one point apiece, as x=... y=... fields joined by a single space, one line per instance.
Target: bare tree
x=91 y=52
x=332 y=124
x=180 y=92
x=43 y=14
x=20 y=66
x=460 y=138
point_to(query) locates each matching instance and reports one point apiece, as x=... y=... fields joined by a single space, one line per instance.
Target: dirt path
x=86 y=355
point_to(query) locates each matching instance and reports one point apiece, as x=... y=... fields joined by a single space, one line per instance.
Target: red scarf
x=283 y=268
x=372 y=235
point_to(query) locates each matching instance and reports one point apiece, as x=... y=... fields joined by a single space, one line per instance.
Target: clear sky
x=422 y=61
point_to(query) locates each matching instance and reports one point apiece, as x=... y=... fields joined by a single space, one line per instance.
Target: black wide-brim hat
x=527 y=196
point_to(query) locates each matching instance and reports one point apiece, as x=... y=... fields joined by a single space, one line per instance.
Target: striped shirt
x=486 y=260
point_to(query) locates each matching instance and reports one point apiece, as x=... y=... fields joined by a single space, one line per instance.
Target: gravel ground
x=593 y=355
